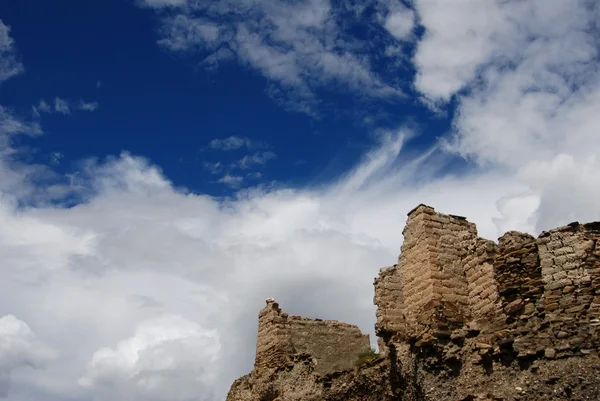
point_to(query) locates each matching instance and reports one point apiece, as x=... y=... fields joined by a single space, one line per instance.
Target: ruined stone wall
x=274 y=343
x=389 y=290
x=335 y=345
x=417 y=282
x=459 y=318
x=488 y=314
x=429 y=289
x=484 y=303
x=570 y=267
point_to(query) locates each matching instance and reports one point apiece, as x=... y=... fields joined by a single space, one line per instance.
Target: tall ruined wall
x=428 y=289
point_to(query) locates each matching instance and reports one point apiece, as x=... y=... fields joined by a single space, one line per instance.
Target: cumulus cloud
x=9 y=64
x=397 y=19
x=168 y=355
x=19 y=348
x=155 y=281
x=526 y=81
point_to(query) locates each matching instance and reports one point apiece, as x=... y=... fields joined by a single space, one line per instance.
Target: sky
x=167 y=165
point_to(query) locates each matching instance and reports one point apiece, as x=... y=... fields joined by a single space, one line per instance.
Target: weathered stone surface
x=458 y=318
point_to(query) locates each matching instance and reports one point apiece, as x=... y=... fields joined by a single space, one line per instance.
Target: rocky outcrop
x=458 y=318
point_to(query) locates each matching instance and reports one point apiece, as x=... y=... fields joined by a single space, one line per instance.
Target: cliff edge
x=458 y=318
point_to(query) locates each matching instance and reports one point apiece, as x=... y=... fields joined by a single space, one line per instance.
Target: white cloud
x=230 y=143
x=398 y=20
x=152 y=292
x=460 y=36
x=163 y=3
x=255 y=159
x=213 y=167
x=87 y=106
x=182 y=33
x=300 y=46
x=233 y=181
x=140 y=252
x=61 y=106
x=9 y=65
x=19 y=348
x=532 y=88
x=168 y=356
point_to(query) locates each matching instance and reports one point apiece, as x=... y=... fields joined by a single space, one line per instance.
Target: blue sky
x=166 y=165
x=148 y=94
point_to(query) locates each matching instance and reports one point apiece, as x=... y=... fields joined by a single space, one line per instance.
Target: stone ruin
x=334 y=346
x=458 y=318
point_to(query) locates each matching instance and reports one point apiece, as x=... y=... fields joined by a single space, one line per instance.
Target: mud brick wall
x=453 y=235
x=336 y=346
x=428 y=289
x=389 y=295
x=518 y=275
x=415 y=271
x=274 y=343
x=541 y=296
x=484 y=300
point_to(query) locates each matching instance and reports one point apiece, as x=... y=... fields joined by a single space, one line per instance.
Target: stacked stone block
x=484 y=301
x=541 y=296
x=274 y=344
x=570 y=261
x=333 y=345
x=433 y=294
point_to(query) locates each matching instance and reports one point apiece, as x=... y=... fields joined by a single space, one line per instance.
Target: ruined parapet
x=333 y=345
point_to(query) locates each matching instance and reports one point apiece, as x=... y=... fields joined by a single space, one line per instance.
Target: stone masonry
x=333 y=345
x=459 y=318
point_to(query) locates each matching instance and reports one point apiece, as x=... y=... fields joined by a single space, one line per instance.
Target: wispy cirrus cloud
x=300 y=47
x=233 y=181
x=255 y=159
